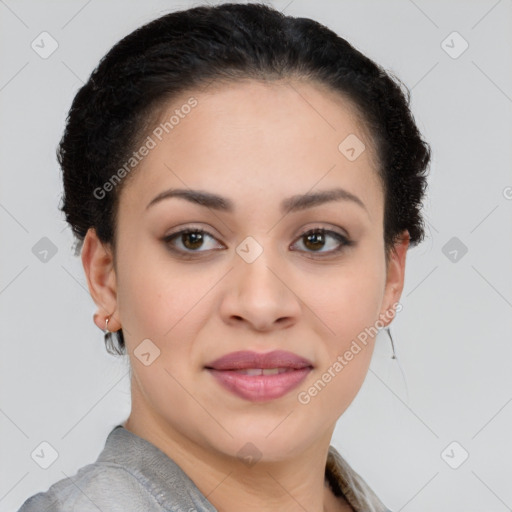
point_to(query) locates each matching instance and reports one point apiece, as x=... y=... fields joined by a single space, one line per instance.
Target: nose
x=260 y=296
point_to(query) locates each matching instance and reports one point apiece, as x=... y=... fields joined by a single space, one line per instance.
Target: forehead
x=269 y=138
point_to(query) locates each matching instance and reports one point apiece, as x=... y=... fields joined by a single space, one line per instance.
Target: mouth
x=261 y=371
x=260 y=377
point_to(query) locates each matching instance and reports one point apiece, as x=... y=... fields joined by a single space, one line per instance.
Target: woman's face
x=256 y=278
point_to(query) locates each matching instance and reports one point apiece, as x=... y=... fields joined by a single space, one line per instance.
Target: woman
x=243 y=186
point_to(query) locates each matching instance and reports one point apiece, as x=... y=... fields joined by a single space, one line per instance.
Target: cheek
x=155 y=296
x=350 y=309
x=351 y=300
x=167 y=305
x=349 y=306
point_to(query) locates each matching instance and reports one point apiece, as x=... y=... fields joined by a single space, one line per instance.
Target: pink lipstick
x=258 y=377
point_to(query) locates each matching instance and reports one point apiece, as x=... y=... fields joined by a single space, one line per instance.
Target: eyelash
x=342 y=240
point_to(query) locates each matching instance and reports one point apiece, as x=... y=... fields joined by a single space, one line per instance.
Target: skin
x=282 y=142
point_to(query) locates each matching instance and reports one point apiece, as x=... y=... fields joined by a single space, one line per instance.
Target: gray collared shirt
x=133 y=475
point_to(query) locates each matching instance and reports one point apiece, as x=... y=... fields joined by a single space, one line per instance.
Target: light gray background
x=453 y=340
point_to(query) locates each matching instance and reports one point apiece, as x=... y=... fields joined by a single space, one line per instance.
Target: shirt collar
x=346 y=482
x=157 y=472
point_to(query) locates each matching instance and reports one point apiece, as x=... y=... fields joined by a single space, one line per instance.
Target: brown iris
x=315 y=240
x=194 y=237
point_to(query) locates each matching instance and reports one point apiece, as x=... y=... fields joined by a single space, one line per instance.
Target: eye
x=190 y=240
x=317 y=239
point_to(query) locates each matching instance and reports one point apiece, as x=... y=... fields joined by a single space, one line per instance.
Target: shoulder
x=97 y=486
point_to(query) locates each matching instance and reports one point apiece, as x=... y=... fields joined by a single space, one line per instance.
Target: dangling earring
x=108 y=334
x=392 y=342
x=397 y=364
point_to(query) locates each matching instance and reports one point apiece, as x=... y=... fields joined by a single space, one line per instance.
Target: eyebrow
x=291 y=204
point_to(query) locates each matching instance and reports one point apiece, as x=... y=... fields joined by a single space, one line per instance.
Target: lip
x=244 y=359
x=260 y=387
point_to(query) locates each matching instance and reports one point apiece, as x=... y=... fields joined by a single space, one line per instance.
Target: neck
x=289 y=485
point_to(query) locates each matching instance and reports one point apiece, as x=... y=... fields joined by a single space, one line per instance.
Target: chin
x=271 y=441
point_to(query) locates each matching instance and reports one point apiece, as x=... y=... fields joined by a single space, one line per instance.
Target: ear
x=394 y=278
x=98 y=263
